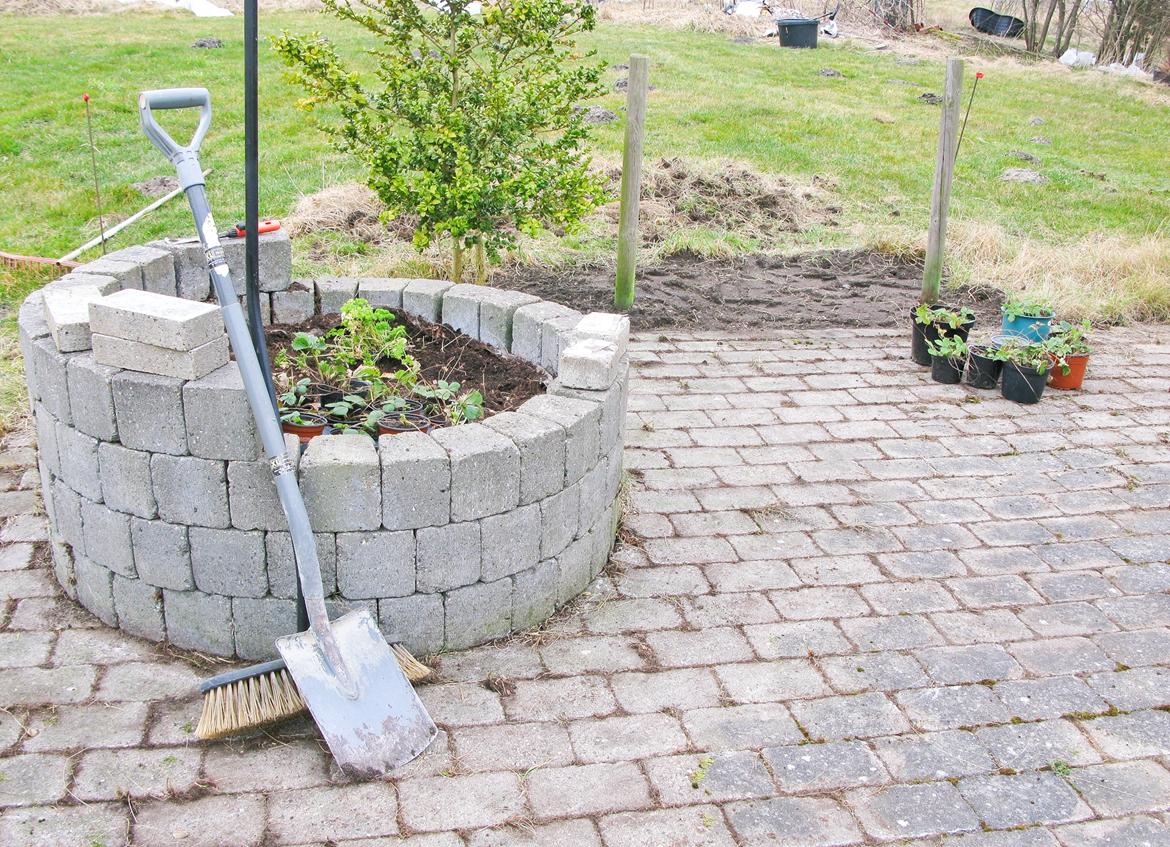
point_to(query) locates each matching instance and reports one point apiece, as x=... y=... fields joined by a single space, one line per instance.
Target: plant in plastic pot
x=303 y=424
x=1070 y=350
x=1025 y=370
x=948 y=356
x=983 y=368
x=926 y=321
x=1027 y=317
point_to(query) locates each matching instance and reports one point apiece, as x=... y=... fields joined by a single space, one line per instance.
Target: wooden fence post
x=627 y=257
x=944 y=170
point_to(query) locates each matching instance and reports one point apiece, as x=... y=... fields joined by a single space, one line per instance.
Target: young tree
x=468 y=122
x=1133 y=28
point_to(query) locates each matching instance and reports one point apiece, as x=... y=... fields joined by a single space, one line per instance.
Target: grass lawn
x=1091 y=235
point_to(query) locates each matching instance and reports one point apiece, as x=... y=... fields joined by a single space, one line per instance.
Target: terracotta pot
x=313 y=426
x=1074 y=378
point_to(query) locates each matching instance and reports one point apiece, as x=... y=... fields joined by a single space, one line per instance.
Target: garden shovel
x=370 y=716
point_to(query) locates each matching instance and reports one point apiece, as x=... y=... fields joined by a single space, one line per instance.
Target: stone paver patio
x=853 y=607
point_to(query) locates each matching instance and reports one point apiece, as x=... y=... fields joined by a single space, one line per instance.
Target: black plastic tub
x=1022 y=385
x=982 y=370
x=798 y=32
x=991 y=23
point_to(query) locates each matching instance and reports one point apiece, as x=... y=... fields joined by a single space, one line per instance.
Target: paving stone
x=560 y=699
x=912 y=811
x=677 y=648
x=236 y=821
x=984 y=626
x=895 y=598
x=587 y=790
x=685 y=688
x=616 y=738
x=1140 y=688
x=1066 y=619
x=363 y=810
x=513 y=747
x=1034 y=746
x=689 y=779
x=982 y=592
x=111 y=774
x=872 y=672
x=953 y=707
x=1132 y=736
x=1021 y=800
x=895 y=632
x=824 y=767
x=794 y=822
x=1124 y=788
x=699 y=826
x=1036 y=837
x=1056 y=656
x=575 y=832
x=740 y=727
x=769 y=682
x=1033 y=699
x=68 y=728
x=33 y=779
x=1140 y=832
x=953 y=665
x=933 y=756
x=599 y=653
x=461 y=802
x=856 y=716
x=51 y=826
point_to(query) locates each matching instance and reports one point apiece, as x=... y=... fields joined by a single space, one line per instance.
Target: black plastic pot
x=1022 y=385
x=982 y=370
x=329 y=395
x=798 y=32
x=920 y=334
x=946 y=370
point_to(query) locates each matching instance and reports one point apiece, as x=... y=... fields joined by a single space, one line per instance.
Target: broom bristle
x=266 y=698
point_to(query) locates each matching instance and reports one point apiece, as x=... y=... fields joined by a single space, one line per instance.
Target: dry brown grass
x=1108 y=278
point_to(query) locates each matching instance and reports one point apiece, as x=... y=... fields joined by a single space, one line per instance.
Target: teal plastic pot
x=1030 y=327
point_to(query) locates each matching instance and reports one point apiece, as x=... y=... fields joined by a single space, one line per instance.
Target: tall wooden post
x=627 y=257
x=944 y=169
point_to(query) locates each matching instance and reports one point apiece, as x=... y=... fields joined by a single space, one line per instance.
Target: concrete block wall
x=165 y=523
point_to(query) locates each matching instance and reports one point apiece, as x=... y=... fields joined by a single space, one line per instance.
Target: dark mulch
x=505 y=381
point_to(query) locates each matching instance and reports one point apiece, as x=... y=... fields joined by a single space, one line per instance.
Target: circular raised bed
x=164 y=521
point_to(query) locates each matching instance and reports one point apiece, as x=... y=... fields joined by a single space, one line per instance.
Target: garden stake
x=343 y=670
x=93 y=161
x=967 y=114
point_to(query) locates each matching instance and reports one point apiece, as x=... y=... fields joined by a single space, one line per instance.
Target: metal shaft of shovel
x=367 y=711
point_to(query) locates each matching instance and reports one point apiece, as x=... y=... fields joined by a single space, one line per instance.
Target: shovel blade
x=378 y=725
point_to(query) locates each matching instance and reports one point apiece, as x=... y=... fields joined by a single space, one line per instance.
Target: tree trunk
x=456 y=263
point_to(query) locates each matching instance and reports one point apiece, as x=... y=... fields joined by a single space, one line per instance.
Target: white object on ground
x=199 y=8
x=1075 y=58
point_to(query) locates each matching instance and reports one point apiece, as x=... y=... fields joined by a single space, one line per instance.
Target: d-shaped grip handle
x=174 y=98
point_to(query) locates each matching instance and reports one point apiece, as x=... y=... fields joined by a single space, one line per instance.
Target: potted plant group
x=1070 y=351
x=1027 y=317
x=1025 y=369
x=927 y=320
x=948 y=357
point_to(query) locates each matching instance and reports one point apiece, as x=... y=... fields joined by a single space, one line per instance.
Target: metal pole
x=627 y=258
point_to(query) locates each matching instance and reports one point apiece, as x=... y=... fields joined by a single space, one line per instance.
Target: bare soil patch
x=505 y=381
x=818 y=290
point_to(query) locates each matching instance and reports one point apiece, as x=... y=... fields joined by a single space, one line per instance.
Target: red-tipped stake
x=959 y=144
x=93 y=161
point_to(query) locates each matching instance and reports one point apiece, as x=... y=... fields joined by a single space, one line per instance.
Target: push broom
x=251 y=697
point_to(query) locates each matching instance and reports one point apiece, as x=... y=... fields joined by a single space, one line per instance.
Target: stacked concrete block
x=152 y=333
x=67 y=314
x=163 y=514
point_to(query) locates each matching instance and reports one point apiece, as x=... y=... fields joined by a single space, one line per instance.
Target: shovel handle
x=185 y=158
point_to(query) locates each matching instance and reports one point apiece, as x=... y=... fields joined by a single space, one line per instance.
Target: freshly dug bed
x=818 y=290
x=505 y=381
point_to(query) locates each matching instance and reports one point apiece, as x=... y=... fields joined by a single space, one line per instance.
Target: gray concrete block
x=338 y=606
x=275 y=260
x=63 y=572
x=140 y=608
x=424 y=297
x=106 y=535
x=574 y=569
x=294 y=305
x=581 y=421
x=162 y=554
x=528 y=324
x=555 y=334
x=559 y=520
x=259 y=621
x=382 y=292
x=95 y=589
x=605 y=326
x=252 y=497
x=105 y=284
x=542 y=452
x=593 y=500
x=460 y=308
x=496 y=316
x=447 y=556
x=485 y=470
x=534 y=595
x=233 y=253
x=219 y=420
x=477 y=613
x=67 y=314
x=79 y=461
x=265 y=308
x=128 y=274
x=613 y=473
x=415 y=621
x=48 y=367
x=334 y=292
x=342 y=483
x=192 y=280
x=375 y=564
x=46 y=429
x=126 y=481
x=589 y=363
x=157 y=265
x=91 y=396
x=228 y=561
x=190 y=491
x=155 y=319
x=613 y=402
x=602 y=537
x=282 y=574
x=416 y=481
x=67 y=515
x=148 y=358
x=149 y=410
x=198 y=621
x=30 y=324
x=510 y=542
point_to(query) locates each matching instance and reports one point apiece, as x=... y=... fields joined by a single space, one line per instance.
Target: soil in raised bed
x=818 y=290
x=505 y=381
